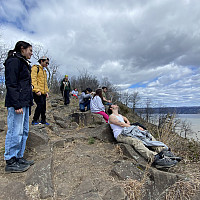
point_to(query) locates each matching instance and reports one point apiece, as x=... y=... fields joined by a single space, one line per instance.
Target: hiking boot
x=163 y=162
x=35 y=122
x=44 y=122
x=25 y=162
x=169 y=154
x=13 y=165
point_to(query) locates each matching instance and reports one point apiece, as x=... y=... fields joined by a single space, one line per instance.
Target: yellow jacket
x=39 y=79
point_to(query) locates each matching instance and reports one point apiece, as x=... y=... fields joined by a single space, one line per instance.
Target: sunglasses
x=47 y=63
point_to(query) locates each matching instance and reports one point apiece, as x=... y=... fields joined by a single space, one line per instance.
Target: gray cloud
x=155 y=43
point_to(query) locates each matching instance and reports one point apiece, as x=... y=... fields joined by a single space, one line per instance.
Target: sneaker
x=44 y=122
x=169 y=154
x=25 y=162
x=164 y=162
x=13 y=166
x=35 y=122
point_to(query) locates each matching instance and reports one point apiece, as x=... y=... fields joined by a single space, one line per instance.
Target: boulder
x=102 y=132
x=115 y=193
x=155 y=181
x=85 y=190
x=37 y=136
x=74 y=125
x=86 y=118
x=130 y=152
x=62 y=124
x=40 y=175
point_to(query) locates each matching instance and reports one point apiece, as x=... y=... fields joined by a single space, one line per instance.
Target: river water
x=194 y=121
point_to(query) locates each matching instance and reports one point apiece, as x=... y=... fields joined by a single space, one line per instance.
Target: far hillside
x=177 y=110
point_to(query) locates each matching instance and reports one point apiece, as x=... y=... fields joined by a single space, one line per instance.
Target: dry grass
x=133 y=189
x=183 y=190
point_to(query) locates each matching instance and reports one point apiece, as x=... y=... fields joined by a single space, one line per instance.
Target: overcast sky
x=149 y=46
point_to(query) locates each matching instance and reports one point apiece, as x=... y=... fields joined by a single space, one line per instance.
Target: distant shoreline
x=171 y=110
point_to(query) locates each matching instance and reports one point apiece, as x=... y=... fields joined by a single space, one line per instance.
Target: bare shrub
x=188 y=149
x=84 y=80
x=133 y=189
x=182 y=190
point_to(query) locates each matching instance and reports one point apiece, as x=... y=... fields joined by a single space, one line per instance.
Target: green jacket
x=65 y=85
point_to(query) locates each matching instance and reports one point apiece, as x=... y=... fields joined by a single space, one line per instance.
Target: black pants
x=66 y=97
x=41 y=107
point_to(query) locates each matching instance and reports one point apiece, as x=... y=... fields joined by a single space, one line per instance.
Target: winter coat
x=65 y=86
x=39 y=79
x=18 y=82
x=84 y=97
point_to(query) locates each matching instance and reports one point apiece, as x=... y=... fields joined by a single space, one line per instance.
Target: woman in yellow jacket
x=40 y=89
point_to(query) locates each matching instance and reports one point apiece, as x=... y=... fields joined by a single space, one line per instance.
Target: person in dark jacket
x=18 y=101
x=66 y=89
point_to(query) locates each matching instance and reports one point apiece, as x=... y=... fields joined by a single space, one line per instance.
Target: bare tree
x=148 y=109
x=126 y=98
x=3 y=55
x=185 y=128
x=135 y=98
x=85 y=80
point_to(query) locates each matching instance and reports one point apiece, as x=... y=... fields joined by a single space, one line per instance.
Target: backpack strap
x=38 y=69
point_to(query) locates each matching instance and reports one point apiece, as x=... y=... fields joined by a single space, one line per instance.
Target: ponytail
x=18 y=48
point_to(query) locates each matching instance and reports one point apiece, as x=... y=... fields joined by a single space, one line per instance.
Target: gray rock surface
x=69 y=166
x=41 y=175
x=37 y=136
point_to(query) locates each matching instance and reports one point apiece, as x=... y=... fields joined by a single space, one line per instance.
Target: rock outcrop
x=77 y=158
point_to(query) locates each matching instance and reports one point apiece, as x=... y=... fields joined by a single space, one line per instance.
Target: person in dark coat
x=66 y=89
x=18 y=101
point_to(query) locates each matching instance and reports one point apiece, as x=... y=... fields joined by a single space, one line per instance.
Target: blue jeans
x=17 y=133
x=83 y=105
x=107 y=103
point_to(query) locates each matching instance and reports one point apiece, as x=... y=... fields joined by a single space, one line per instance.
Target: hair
x=99 y=93
x=87 y=89
x=42 y=60
x=104 y=87
x=18 y=47
x=109 y=111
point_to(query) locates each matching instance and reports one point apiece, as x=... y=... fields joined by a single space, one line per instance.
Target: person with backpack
x=40 y=90
x=65 y=89
x=18 y=101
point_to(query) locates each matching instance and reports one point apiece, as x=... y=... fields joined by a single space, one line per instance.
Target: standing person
x=105 y=101
x=84 y=99
x=40 y=90
x=97 y=106
x=141 y=139
x=18 y=100
x=65 y=84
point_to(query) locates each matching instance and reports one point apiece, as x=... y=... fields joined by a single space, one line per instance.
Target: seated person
x=105 y=101
x=97 y=106
x=84 y=99
x=160 y=155
x=75 y=93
